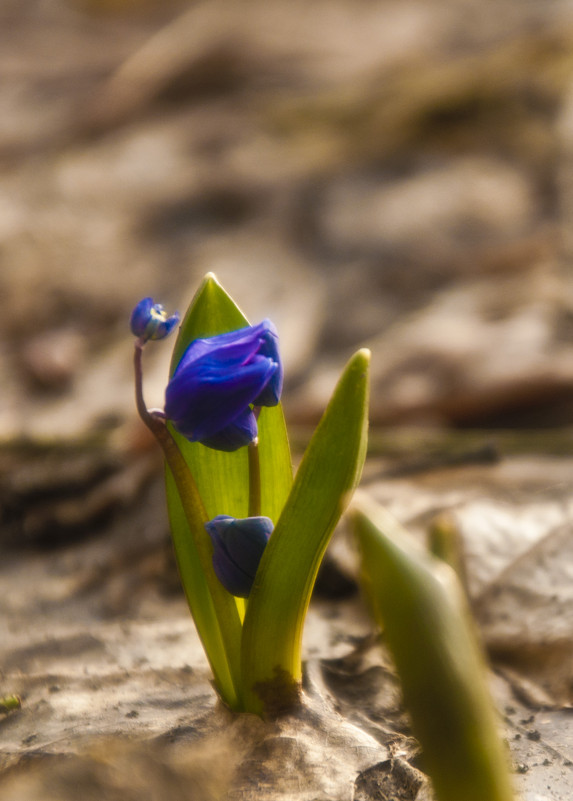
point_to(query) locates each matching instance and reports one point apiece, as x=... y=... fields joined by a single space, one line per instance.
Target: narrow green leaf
x=222 y=480
x=275 y=461
x=329 y=471
x=201 y=604
x=421 y=606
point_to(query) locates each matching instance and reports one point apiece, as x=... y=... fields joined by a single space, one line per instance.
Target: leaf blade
x=329 y=471
x=427 y=626
x=198 y=596
x=223 y=478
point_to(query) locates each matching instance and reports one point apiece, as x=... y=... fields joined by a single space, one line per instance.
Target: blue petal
x=245 y=541
x=216 y=381
x=231 y=577
x=238 y=545
x=237 y=434
x=140 y=317
x=149 y=320
x=232 y=347
x=165 y=327
x=271 y=394
x=207 y=397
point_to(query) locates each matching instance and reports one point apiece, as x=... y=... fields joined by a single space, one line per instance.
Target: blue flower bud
x=210 y=394
x=149 y=320
x=238 y=545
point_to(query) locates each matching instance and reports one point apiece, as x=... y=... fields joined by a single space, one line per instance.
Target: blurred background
x=395 y=174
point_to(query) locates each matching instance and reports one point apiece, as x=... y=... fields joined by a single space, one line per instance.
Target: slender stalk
x=154 y=420
x=254 y=473
x=227 y=676
x=156 y=423
x=254 y=479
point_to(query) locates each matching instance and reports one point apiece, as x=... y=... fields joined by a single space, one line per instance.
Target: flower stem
x=254 y=475
x=156 y=424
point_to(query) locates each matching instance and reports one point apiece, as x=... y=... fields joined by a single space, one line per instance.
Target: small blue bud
x=210 y=394
x=149 y=320
x=238 y=545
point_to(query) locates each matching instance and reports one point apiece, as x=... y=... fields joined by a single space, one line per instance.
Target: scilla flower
x=149 y=320
x=238 y=545
x=218 y=379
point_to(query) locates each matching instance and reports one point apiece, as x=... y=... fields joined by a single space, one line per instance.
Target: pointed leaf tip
x=360 y=360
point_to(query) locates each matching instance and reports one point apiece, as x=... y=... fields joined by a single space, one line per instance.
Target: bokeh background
x=396 y=174
x=391 y=174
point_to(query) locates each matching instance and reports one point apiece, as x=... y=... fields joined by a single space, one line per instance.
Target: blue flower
x=209 y=397
x=238 y=545
x=149 y=320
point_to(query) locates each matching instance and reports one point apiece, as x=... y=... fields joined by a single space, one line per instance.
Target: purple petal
x=140 y=317
x=237 y=434
x=238 y=545
x=149 y=320
x=205 y=399
x=216 y=381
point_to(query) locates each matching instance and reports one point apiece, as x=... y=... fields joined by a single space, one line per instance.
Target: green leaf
x=420 y=604
x=216 y=642
x=329 y=471
x=222 y=480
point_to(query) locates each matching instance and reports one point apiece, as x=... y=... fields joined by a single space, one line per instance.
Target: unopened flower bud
x=238 y=545
x=149 y=320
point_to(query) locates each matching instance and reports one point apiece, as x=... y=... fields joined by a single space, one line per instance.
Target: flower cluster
x=212 y=398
